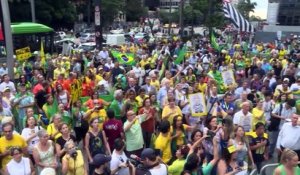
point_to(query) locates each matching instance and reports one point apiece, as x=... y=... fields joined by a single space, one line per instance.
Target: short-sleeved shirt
x=258 y=154
x=134 y=136
x=113 y=129
x=16 y=141
x=243 y=120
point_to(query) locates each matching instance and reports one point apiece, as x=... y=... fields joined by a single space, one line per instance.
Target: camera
x=73 y=153
x=211 y=135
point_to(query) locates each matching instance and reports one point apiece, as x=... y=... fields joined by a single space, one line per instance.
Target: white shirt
x=26 y=133
x=19 y=168
x=10 y=84
x=243 y=120
x=288 y=140
x=103 y=54
x=116 y=160
x=286 y=113
x=161 y=170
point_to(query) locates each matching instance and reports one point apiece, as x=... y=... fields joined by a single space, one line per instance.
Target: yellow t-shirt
x=51 y=130
x=79 y=164
x=163 y=143
x=57 y=72
x=16 y=141
x=258 y=116
x=140 y=100
x=167 y=110
x=144 y=63
x=156 y=84
x=101 y=115
x=202 y=87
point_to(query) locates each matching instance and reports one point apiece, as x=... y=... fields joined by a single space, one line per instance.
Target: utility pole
x=170 y=13
x=98 y=24
x=181 y=17
x=32 y=6
x=210 y=10
x=8 y=38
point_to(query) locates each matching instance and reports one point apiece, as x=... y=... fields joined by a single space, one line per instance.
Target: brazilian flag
x=181 y=55
x=124 y=58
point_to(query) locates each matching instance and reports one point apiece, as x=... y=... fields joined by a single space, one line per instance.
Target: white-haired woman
x=117 y=104
x=43 y=152
x=73 y=161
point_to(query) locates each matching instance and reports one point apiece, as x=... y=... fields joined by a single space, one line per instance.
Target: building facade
x=284 y=12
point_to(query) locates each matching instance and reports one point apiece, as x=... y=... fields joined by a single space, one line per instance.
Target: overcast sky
x=261 y=8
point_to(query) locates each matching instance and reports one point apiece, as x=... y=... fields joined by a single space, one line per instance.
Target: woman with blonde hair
x=288 y=163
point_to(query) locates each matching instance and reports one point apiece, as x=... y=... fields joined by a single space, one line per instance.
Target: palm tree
x=245 y=7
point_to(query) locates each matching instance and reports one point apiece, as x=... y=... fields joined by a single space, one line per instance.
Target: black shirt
x=258 y=154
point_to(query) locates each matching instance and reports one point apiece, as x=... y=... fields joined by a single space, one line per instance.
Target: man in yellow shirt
x=8 y=141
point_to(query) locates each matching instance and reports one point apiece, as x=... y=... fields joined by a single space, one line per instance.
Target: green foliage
x=134 y=10
x=199 y=10
x=245 y=7
x=166 y=16
x=110 y=8
x=56 y=13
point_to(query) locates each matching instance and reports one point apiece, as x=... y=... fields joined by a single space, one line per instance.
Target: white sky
x=261 y=8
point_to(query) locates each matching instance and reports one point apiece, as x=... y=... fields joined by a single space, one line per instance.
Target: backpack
x=275 y=122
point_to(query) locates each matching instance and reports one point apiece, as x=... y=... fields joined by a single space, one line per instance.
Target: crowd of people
x=86 y=113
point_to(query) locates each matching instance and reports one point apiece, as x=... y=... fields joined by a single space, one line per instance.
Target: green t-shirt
x=177 y=167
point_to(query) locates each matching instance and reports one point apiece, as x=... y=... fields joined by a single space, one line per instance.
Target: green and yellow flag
x=181 y=55
x=42 y=55
x=124 y=58
x=213 y=41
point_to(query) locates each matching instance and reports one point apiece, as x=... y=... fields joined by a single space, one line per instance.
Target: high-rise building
x=284 y=12
x=289 y=13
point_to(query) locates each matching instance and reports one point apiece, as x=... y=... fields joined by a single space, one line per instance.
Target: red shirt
x=148 y=125
x=113 y=129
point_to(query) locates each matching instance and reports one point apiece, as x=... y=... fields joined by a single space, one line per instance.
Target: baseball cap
x=286 y=79
x=147 y=153
x=100 y=159
x=6 y=89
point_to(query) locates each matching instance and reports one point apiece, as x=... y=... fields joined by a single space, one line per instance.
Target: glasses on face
x=7 y=131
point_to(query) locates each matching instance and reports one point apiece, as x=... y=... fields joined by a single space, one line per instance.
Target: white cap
x=286 y=79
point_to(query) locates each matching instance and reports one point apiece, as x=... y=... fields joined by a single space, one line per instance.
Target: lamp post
x=32 y=6
x=98 y=24
x=8 y=38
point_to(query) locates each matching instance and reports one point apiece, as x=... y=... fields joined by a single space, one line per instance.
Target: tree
x=245 y=7
x=134 y=10
x=209 y=16
x=56 y=13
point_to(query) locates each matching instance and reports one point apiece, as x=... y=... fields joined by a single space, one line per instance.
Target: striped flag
x=237 y=19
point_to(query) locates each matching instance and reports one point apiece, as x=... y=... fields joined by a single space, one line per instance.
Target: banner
x=197 y=105
x=23 y=54
x=228 y=77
